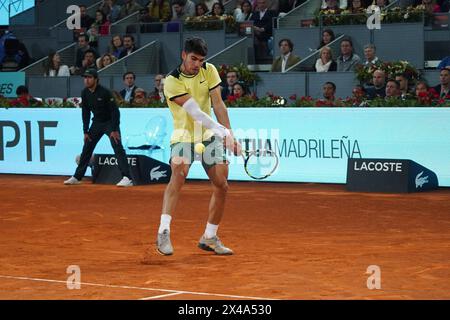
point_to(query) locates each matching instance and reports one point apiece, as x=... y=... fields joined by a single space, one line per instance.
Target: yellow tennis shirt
x=197 y=86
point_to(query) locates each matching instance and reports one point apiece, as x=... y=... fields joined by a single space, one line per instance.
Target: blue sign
x=313 y=143
x=9 y=81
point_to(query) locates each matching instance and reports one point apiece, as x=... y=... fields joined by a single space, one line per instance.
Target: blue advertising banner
x=9 y=81
x=313 y=143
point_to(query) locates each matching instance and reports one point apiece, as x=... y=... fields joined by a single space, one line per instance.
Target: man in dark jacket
x=99 y=100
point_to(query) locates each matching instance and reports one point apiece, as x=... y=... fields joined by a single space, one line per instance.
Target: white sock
x=165 y=223
x=211 y=230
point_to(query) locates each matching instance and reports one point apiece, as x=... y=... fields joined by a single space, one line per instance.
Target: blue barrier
x=313 y=143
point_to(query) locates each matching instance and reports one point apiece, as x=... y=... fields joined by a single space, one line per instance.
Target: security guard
x=99 y=100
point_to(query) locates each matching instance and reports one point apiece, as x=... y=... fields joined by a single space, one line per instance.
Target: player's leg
x=95 y=133
x=217 y=169
x=181 y=159
x=122 y=161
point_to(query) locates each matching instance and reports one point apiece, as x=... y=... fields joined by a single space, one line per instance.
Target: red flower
x=293 y=97
x=231 y=98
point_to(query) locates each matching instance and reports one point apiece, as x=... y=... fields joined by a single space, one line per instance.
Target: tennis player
x=189 y=90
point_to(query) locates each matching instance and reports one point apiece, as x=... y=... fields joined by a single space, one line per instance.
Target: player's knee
x=221 y=186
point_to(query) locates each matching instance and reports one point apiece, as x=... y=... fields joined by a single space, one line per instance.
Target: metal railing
x=67 y=55
x=145 y=60
x=304 y=11
x=237 y=53
x=307 y=63
x=120 y=26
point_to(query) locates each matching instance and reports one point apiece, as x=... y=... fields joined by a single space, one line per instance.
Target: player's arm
x=221 y=112
x=193 y=109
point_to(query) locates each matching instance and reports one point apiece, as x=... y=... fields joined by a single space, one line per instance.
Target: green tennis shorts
x=214 y=153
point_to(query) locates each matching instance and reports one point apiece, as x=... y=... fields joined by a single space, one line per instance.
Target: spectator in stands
x=201 y=9
x=130 y=7
x=382 y=4
x=392 y=89
x=431 y=6
x=209 y=4
x=232 y=78
x=54 y=68
x=129 y=91
x=348 y=59
x=379 y=85
x=403 y=80
x=160 y=10
x=332 y=5
x=147 y=23
x=83 y=46
x=24 y=99
x=262 y=27
x=327 y=37
x=286 y=58
x=240 y=90
x=421 y=89
x=14 y=54
x=102 y=23
x=110 y=9
x=359 y=93
x=92 y=33
x=86 y=20
x=244 y=12
x=157 y=84
x=370 y=55
x=329 y=92
x=443 y=88
x=325 y=62
x=182 y=9
x=342 y=4
x=128 y=46
x=217 y=9
x=116 y=46
x=140 y=97
x=105 y=60
x=89 y=61
x=356 y=6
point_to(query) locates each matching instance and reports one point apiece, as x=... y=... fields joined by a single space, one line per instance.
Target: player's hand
x=115 y=135
x=233 y=145
x=86 y=138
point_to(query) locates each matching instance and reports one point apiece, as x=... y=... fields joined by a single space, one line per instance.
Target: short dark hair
x=397 y=84
x=21 y=90
x=447 y=68
x=348 y=40
x=127 y=73
x=289 y=42
x=331 y=84
x=89 y=51
x=196 y=45
x=404 y=75
x=129 y=36
x=85 y=36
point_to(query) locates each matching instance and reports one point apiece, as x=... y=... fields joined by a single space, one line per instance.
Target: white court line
x=136 y=288
x=162 y=296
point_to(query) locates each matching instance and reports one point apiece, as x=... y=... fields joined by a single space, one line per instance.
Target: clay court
x=291 y=241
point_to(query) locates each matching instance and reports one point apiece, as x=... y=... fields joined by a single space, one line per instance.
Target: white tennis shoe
x=125 y=182
x=72 y=181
